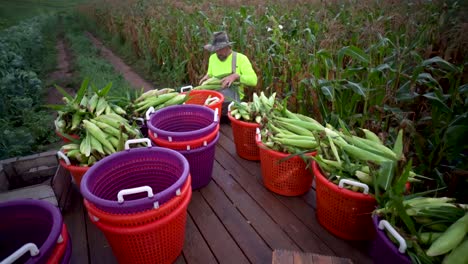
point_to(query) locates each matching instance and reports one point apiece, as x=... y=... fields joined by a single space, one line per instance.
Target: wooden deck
x=232 y=220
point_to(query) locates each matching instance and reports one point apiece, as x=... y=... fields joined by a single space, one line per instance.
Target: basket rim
x=72 y=167
x=144 y=228
x=242 y=123
x=59 y=252
x=55 y=230
x=166 y=133
x=100 y=202
x=194 y=143
x=218 y=94
x=341 y=191
x=111 y=218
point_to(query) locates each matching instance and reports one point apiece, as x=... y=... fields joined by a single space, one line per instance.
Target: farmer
x=231 y=66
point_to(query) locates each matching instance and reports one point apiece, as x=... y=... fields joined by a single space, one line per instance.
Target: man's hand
x=228 y=80
x=204 y=79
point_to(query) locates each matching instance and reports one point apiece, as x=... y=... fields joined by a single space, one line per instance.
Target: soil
x=63 y=74
x=135 y=80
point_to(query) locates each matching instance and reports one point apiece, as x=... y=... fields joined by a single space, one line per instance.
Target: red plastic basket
x=158 y=242
x=184 y=145
x=61 y=247
x=138 y=219
x=283 y=175
x=244 y=138
x=66 y=140
x=76 y=172
x=344 y=213
x=199 y=97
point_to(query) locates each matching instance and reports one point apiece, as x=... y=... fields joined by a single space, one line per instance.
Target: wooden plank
x=100 y=251
x=245 y=236
x=307 y=240
x=180 y=260
x=230 y=147
x=196 y=249
x=62 y=185
x=289 y=257
x=282 y=257
x=38 y=192
x=76 y=225
x=267 y=228
x=219 y=240
x=307 y=215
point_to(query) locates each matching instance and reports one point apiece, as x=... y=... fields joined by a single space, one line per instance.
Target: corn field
x=381 y=65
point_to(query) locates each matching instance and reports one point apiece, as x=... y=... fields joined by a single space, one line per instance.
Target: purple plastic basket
x=163 y=170
x=183 y=122
x=29 y=221
x=201 y=163
x=383 y=250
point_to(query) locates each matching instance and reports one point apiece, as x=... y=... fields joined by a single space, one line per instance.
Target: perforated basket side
x=344 y=213
x=244 y=138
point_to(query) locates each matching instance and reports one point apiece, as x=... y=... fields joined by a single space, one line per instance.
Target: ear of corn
x=451 y=238
x=459 y=255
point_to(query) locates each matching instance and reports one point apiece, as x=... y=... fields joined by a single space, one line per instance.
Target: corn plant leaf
x=103 y=92
x=441 y=63
x=427 y=79
x=385 y=174
x=328 y=92
x=353 y=52
x=404 y=93
x=435 y=99
x=82 y=91
x=63 y=92
x=398 y=146
x=356 y=87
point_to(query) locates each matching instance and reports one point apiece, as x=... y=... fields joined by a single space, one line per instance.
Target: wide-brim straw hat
x=220 y=40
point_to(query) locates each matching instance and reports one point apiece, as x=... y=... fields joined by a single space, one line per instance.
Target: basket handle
x=384 y=224
x=135 y=190
x=139 y=120
x=149 y=112
x=61 y=155
x=136 y=141
x=211 y=100
x=230 y=105
x=354 y=183
x=31 y=247
x=215 y=116
x=258 y=135
x=188 y=87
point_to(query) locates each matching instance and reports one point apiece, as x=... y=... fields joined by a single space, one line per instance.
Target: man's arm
x=247 y=74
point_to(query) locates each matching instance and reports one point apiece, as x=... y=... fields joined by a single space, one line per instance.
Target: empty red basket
x=159 y=242
x=344 y=213
x=244 y=138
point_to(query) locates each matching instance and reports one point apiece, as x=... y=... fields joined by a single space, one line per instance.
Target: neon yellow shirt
x=244 y=68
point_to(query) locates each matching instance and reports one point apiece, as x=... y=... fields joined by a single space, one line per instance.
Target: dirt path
x=132 y=77
x=62 y=75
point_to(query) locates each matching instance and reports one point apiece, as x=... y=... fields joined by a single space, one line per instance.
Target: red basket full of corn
x=244 y=134
x=289 y=176
x=345 y=213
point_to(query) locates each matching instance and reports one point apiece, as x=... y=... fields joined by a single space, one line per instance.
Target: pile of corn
x=435 y=229
x=157 y=98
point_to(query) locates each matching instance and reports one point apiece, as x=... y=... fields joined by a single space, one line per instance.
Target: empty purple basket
x=29 y=221
x=383 y=249
x=201 y=163
x=135 y=180
x=182 y=122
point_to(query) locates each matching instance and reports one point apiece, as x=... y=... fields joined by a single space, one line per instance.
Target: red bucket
x=289 y=177
x=344 y=213
x=244 y=134
x=160 y=241
x=209 y=98
x=76 y=172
